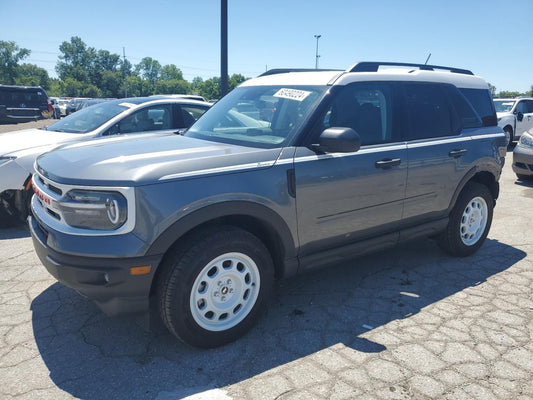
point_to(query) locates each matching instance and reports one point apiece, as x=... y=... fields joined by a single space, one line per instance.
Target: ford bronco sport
x=288 y=172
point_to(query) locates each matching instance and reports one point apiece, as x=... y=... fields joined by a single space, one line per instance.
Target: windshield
x=504 y=105
x=88 y=119
x=258 y=116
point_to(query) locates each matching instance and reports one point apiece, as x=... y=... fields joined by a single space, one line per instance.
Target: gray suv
x=288 y=172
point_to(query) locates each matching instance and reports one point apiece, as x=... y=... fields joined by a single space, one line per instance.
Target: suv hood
x=142 y=159
x=19 y=141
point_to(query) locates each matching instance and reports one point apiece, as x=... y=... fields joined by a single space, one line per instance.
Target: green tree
x=71 y=87
x=55 y=88
x=126 y=68
x=10 y=56
x=75 y=60
x=134 y=86
x=90 y=90
x=508 y=94
x=492 y=90
x=169 y=72
x=196 y=82
x=235 y=80
x=210 y=88
x=103 y=61
x=172 y=86
x=111 y=84
x=149 y=69
x=32 y=75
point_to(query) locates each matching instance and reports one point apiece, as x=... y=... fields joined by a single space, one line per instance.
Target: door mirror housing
x=519 y=116
x=338 y=140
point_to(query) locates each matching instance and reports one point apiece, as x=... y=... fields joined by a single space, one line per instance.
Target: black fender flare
x=468 y=176
x=238 y=208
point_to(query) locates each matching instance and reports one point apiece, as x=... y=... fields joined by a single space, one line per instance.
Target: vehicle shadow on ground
x=92 y=356
x=15 y=232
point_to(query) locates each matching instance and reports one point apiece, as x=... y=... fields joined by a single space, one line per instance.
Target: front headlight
x=94 y=210
x=6 y=159
x=526 y=140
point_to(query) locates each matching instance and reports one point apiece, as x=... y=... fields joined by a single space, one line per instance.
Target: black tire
x=524 y=177
x=224 y=254
x=457 y=240
x=509 y=131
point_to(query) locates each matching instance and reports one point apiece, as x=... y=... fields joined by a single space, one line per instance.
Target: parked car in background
x=62 y=103
x=523 y=156
x=55 y=104
x=23 y=104
x=515 y=116
x=183 y=96
x=329 y=165
x=91 y=102
x=19 y=149
x=74 y=104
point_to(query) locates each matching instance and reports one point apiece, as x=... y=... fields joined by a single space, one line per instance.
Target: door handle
x=388 y=162
x=456 y=153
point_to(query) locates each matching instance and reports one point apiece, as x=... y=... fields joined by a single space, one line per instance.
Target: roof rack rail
x=373 y=66
x=285 y=70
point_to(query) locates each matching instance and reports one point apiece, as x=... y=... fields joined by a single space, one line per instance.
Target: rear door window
x=431 y=113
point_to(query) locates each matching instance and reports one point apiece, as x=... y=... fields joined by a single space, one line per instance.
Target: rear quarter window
x=481 y=101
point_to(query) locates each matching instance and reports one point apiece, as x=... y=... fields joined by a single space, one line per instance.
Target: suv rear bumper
x=107 y=281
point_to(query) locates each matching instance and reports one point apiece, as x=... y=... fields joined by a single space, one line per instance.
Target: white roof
x=294 y=78
x=385 y=74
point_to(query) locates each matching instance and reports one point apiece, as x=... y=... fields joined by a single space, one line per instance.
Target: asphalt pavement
x=407 y=323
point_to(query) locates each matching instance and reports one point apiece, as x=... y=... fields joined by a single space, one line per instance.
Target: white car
x=515 y=116
x=20 y=149
x=62 y=103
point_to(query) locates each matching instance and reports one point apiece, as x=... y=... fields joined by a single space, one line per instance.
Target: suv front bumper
x=107 y=281
x=523 y=160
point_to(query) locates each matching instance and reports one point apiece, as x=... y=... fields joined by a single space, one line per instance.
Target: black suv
x=23 y=104
x=288 y=172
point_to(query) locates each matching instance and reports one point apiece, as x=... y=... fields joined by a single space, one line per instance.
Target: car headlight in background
x=6 y=159
x=94 y=210
x=526 y=140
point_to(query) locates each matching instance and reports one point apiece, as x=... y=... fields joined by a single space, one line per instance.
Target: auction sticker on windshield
x=292 y=94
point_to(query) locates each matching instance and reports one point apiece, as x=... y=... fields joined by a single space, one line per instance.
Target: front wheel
x=509 y=135
x=213 y=288
x=469 y=222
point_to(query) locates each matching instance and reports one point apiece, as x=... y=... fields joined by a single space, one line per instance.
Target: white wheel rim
x=473 y=221
x=225 y=291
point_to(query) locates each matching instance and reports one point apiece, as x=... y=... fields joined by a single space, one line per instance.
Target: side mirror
x=338 y=140
x=519 y=116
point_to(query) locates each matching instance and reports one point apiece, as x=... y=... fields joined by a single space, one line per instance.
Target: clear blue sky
x=492 y=38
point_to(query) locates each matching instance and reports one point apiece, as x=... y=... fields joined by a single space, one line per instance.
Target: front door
x=345 y=197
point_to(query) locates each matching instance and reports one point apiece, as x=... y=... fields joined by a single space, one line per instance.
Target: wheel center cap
x=224 y=290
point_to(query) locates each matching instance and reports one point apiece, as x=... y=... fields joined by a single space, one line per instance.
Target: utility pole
x=316 y=54
x=124 y=72
x=223 y=47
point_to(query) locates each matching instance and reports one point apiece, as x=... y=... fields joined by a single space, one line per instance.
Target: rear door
x=440 y=150
x=345 y=197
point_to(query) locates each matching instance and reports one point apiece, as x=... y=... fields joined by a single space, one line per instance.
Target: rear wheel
x=469 y=222
x=214 y=287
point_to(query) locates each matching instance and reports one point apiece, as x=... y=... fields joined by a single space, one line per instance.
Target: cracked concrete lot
x=408 y=323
